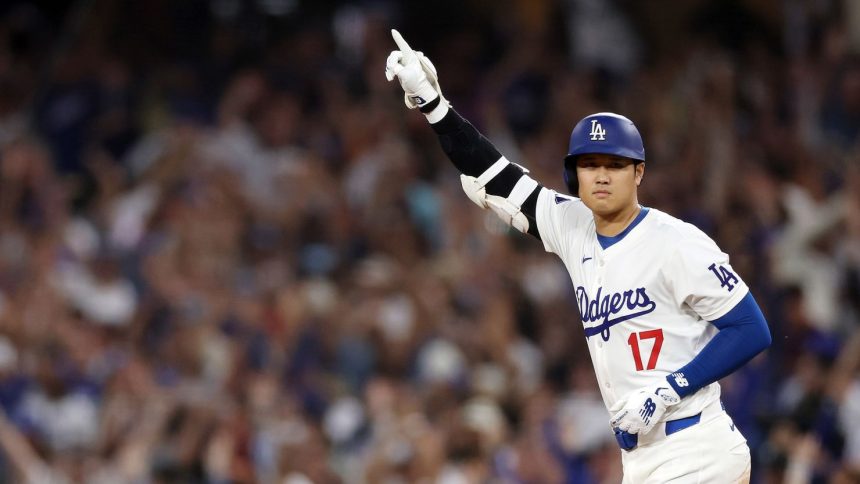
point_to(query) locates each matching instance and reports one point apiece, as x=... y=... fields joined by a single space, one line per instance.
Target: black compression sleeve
x=468 y=149
x=529 y=208
x=472 y=154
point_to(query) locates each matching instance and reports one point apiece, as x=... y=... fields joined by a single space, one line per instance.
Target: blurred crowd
x=230 y=254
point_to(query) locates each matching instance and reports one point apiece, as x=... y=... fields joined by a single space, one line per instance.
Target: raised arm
x=488 y=178
x=21 y=454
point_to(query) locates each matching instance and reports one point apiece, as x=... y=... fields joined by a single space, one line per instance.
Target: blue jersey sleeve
x=743 y=334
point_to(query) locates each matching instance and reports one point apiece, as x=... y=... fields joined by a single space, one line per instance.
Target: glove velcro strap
x=430 y=106
x=439 y=111
x=524 y=187
x=492 y=171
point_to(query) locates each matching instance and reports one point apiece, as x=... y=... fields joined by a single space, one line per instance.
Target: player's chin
x=600 y=206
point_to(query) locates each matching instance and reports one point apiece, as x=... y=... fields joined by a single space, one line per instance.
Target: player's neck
x=610 y=225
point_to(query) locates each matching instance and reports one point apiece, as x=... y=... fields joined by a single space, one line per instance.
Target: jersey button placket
x=600 y=268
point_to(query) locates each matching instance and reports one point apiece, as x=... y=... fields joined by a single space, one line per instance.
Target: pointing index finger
x=408 y=53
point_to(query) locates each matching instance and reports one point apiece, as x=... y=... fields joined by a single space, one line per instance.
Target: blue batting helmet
x=605 y=133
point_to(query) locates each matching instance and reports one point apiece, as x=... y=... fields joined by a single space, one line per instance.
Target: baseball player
x=665 y=315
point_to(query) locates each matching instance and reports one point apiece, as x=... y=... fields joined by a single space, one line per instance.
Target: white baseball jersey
x=646 y=300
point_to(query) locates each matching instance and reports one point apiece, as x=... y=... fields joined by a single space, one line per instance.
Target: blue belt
x=673 y=426
x=628 y=441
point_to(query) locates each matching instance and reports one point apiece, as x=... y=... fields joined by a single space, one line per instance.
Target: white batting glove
x=644 y=408
x=417 y=75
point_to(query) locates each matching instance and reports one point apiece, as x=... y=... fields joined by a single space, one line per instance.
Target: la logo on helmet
x=597 y=132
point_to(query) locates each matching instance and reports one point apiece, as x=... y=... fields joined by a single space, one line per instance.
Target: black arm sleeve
x=472 y=154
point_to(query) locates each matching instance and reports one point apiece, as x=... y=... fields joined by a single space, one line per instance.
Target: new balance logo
x=597 y=132
x=680 y=380
x=418 y=100
x=647 y=410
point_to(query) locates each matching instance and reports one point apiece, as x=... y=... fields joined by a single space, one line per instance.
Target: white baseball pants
x=712 y=451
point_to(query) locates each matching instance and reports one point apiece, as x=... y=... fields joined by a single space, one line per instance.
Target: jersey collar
x=607 y=241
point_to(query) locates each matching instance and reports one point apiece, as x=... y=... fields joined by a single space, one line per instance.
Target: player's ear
x=639 y=172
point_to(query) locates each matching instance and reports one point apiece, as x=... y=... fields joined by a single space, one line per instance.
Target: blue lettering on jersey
x=727 y=278
x=602 y=309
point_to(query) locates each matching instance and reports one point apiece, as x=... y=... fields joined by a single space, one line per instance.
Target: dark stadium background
x=229 y=253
